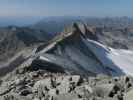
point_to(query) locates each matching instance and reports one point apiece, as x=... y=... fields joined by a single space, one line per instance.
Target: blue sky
x=98 y=8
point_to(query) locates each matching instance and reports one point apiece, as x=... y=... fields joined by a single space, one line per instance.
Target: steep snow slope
x=119 y=61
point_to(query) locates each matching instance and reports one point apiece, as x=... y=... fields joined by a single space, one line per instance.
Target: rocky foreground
x=27 y=84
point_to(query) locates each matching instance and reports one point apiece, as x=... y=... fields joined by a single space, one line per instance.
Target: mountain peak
x=85 y=31
x=76 y=31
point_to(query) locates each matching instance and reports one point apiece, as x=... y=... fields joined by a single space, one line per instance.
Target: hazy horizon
x=30 y=20
x=25 y=12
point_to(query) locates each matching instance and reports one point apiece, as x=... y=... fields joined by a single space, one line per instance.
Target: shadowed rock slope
x=13 y=39
x=16 y=43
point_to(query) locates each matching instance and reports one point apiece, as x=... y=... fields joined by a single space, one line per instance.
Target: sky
x=97 y=8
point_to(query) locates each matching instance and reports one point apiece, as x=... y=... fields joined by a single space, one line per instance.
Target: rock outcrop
x=43 y=85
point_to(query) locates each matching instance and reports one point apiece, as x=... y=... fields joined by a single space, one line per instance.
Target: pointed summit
x=85 y=31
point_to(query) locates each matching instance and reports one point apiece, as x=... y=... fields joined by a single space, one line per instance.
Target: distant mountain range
x=57 y=24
